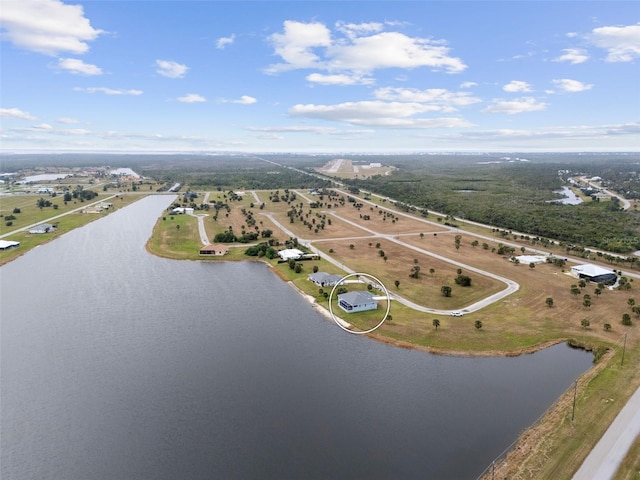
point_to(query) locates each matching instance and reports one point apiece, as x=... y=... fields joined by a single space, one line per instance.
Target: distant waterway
x=569 y=198
x=120 y=365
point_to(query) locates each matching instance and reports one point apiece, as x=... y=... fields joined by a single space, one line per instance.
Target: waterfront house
x=214 y=249
x=324 y=279
x=290 y=254
x=360 y=301
x=42 y=228
x=7 y=244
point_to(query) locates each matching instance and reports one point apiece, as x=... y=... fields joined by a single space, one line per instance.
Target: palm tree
x=397 y=283
x=436 y=323
x=549 y=302
x=478 y=324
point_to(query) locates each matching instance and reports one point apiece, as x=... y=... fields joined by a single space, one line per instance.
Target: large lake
x=120 y=365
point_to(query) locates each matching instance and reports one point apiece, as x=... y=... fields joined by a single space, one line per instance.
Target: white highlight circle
x=339 y=323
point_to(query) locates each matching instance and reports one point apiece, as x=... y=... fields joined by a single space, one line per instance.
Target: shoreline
x=437 y=350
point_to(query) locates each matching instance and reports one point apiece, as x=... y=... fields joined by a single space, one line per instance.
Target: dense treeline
x=514 y=197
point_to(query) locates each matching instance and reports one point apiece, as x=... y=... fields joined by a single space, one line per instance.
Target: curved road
x=511 y=285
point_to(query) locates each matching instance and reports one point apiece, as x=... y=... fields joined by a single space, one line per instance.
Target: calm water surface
x=120 y=365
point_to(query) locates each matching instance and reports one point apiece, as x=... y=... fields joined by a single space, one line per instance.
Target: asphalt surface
x=605 y=458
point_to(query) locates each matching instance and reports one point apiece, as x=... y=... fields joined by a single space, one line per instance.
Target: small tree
x=315 y=269
x=478 y=324
x=445 y=290
x=626 y=319
x=397 y=283
x=549 y=302
x=585 y=323
x=432 y=271
x=607 y=327
x=436 y=323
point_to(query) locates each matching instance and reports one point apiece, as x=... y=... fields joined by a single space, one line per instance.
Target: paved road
x=605 y=458
x=510 y=288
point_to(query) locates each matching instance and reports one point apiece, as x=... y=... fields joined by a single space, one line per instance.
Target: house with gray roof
x=360 y=301
x=42 y=228
x=324 y=279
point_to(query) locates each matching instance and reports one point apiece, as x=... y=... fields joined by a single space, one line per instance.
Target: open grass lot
x=30 y=213
x=424 y=290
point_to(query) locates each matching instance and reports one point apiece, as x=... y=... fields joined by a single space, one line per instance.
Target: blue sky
x=328 y=76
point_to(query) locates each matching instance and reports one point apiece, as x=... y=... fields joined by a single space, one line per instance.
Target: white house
x=7 y=244
x=181 y=210
x=360 y=301
x=290 y=254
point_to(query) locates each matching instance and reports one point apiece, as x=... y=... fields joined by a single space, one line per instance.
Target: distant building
x=43 y=228
x=323 y=279
x=182 y=210
x=360 y=301
x=7 y=244
x=290 y=254
x=594 y=273
x=214 y=249
x=93 y=209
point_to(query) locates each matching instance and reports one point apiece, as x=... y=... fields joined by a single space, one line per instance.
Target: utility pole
x=575 y=389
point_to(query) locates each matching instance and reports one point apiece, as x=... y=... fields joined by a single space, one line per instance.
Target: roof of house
x=356 y=298
x=214 y=247
x=324 y=277
x=4 y=244
x=592 y=270
x=290 y=253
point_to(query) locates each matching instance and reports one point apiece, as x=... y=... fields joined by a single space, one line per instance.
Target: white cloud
x=246 y=100
x=339 y=79
x=566 y=85
x=434 y=96
x=295 y=45
x=353 y=30
x=243 y=100
x=168 y=68
x=377 y=113
x=67 y=120
x=49 y=27
x=222 y=42
x=564 y=133
x=78 y=67
x=621 y=43
x=108 y=91
x=519 y=105
x=43 y=126
x=573 y=56
x=16 y=113
x=304 y=129
x=192 y=98
x=310 y=45
x=468 y=84
x=392 y=50
x=516 y=86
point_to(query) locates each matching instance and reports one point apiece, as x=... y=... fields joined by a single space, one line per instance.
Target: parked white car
x=457 y=313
